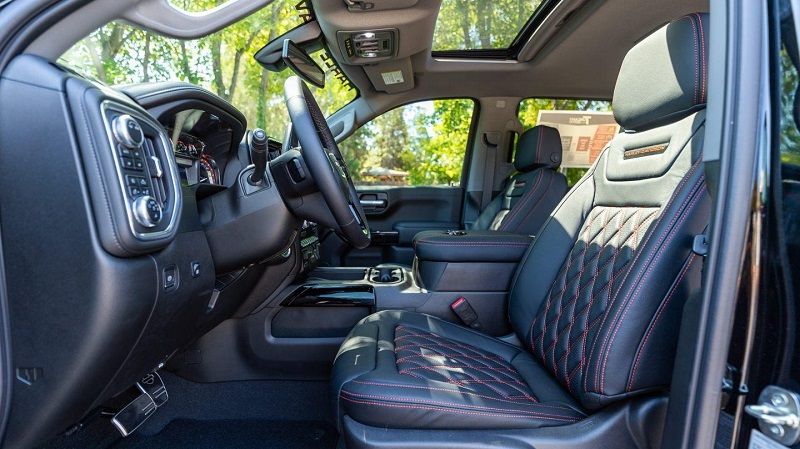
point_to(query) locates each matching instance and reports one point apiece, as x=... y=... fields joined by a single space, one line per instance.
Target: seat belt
x=491 y=141
x=464 y=311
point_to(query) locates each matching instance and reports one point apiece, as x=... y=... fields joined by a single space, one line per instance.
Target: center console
x=297 y=332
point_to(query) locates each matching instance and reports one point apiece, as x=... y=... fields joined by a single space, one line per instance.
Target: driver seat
x=595 y=304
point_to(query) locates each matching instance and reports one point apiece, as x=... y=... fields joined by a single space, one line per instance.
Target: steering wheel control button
x=147 y=211
x=170 y=277
x=127 y=131
x=195 y=267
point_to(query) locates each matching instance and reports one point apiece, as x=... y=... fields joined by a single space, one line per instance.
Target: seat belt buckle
x=465 y=312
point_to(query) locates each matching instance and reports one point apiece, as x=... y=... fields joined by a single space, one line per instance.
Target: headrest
x=664 y=77
x=537 y=147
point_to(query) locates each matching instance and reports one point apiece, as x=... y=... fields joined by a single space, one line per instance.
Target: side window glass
x=586 y=126
x=790 y=146
x=420 y=144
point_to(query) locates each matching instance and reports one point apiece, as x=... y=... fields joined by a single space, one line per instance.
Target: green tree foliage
x=790 y=136
x=223 y=62
x=481 y=24
x=417 y=144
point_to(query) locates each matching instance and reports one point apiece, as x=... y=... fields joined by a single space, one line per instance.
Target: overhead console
x=136 y=181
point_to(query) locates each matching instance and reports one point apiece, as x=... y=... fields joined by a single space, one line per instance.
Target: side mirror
x=302 y=64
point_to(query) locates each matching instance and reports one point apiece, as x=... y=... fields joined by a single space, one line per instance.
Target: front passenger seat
x=595 y=304
x=533 y=191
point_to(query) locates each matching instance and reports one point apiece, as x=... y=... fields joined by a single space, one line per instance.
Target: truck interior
x=383 y=240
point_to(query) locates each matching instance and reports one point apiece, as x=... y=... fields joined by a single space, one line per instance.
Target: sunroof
x=481 y=24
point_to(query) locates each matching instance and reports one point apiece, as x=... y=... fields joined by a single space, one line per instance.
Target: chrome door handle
x=373 y=203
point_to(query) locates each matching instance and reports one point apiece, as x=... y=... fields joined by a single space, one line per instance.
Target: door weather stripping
x=778 y=414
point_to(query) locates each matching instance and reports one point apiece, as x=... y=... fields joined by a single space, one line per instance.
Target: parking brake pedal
x=135 y=413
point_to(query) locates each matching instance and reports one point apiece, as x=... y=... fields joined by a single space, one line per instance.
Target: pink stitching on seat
x=696 y=193
x=593 y=281
x=421 y=387
x=659 y=313
x=450 y=356
x=518 y=206
x=539 y=200
x=584 y=231
x=600 y=234
x=704 y=79
x=461 y=412
x=613 y=298
x=447 y=405
x=696 y=57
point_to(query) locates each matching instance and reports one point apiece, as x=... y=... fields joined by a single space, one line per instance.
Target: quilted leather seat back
x=605 y=321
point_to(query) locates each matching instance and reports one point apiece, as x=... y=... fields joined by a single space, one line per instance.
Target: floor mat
x=236 y=434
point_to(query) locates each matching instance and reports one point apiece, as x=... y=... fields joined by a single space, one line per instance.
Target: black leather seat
x=595 y=304
x=533 y=191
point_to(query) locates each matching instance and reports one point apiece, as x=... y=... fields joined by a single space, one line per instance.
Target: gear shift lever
x=258 y=154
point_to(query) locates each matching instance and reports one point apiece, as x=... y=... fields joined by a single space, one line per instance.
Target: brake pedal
x=153 y=385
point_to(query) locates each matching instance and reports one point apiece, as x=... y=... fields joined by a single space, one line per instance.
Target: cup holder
x=385 y=275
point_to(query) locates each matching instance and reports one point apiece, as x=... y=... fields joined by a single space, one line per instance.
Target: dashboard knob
x=147 y=211
x=128 y=131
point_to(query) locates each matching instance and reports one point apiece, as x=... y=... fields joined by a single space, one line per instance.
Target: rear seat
x=533 y=191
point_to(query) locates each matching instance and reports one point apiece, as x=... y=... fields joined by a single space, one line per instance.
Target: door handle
x=373 y=203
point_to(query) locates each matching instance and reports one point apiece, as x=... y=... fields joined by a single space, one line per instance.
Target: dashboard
x=161 y=237
x=200 y=138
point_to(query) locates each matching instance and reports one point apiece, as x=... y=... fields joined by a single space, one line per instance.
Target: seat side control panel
x=147 y=209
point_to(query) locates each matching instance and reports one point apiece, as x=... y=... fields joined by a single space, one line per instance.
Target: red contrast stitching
x=659 y=313
x=696 y=193
x=463 y=412
x=456 y=407
x=672 y=198
x=421 y=387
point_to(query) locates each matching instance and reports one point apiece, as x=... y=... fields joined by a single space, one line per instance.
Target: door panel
x=395 y=215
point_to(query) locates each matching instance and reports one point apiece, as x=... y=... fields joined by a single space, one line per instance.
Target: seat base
x=400 y=369
x=635 y=424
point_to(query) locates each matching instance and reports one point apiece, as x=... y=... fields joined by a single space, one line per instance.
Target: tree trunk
x=216 y=65
x=261 y=109
x=146 y=60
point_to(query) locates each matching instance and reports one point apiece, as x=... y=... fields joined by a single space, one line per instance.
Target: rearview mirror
x=301 y=63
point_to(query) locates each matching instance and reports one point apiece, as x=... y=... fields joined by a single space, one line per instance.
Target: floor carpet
x=236 y=434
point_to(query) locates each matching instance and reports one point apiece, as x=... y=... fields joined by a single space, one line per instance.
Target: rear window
x=586 y=127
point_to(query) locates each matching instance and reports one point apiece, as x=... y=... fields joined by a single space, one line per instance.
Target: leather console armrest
x=474 y=261
x=470 y=246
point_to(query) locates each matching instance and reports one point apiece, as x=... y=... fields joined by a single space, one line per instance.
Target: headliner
x=579 y=59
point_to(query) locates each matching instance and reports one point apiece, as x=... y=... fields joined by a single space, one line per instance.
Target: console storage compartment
x=478 y=261
x=323 y=310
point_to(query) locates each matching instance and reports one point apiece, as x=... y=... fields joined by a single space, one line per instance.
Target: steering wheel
x=325 y=162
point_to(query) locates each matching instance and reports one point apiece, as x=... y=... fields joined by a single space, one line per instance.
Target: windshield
x=223 y=62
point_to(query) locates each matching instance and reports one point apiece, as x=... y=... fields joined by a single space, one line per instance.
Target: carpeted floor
x=236 y=434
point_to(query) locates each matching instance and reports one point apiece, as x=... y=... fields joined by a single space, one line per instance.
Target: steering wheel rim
x=325 y=162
